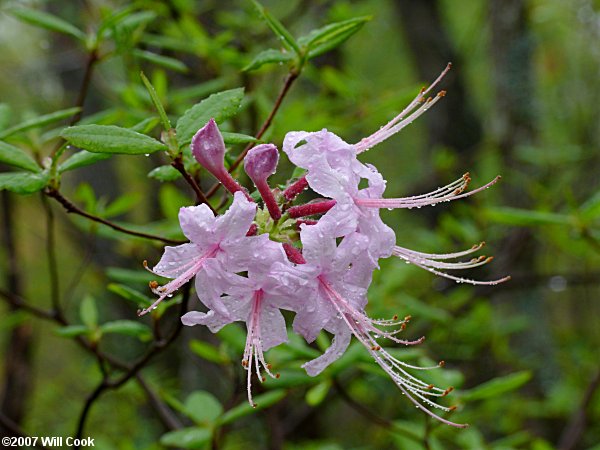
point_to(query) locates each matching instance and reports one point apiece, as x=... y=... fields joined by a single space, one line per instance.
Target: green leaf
x=146 y=125
x=269 y=56
x=71 y=331
x=202 y=407
x=161 y=61
x=220 y=106
x=244 y=409
x=14 y=156
x=128 y=293
x=48 y=21
x=111 y=139
x=128 y=328
x=165 y=173
x=237 y=138
x=156 y=101
x=187 y=438
x=40 y=121
x=88 y=312
x=122 y=204
x=525 y=217
x=317 y=394
x=5 y=114
x=277 y=27
x=497 y=386
x=208 y=352
x=591 y=208
x=82 y=159
x=171 y=200
x=330 y=36
x=23 y=182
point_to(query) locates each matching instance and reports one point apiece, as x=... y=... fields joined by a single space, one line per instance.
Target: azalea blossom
x=314 y=259
x=222 y=238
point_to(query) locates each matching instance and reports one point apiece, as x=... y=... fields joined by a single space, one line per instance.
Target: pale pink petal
x=339 y=344
x=197 y=223
x=272 y=326
x=176 y=260
x=236 y=221
x=212 y=320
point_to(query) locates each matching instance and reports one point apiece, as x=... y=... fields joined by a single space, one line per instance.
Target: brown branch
x=373 y=417
x=132 y=371
x=93 y=58
x=576 y=426
x=72 y=208
x=200 y=197
x=289 y=80
x=169 y=420
x=16 y=430
x=51 y=257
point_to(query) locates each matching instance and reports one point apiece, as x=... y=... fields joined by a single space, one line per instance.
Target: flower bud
x=259 y=163
x=208 y=148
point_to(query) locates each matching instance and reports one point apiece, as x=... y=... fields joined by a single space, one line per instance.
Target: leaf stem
x=72 y=208
x=289 y=80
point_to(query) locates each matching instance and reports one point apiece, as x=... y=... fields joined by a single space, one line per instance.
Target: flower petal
x=339 y=344
x=197 y=223
x=235 y=223
x=176 y=260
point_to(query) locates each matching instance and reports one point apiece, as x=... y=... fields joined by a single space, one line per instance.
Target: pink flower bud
x=208 y=148
x=260 y=163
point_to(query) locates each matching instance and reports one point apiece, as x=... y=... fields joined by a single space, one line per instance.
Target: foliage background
x=522 y=102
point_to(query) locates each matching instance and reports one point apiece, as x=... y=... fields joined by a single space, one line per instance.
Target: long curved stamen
x=253 y=352
x=460 y=279
x=193 y=267
x=432 y=262
x=400 y=121
x=443 y=256
x=427 y=199
x=411 y=386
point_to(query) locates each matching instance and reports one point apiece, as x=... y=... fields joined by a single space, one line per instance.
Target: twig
x=15 y=429
x=132 y=371
x=200 y=197
x=576 y=426
x=85 y=84
x=169 y=420
x=373 y=417
x=71 y=208
x=289 y=80
x=51 y=257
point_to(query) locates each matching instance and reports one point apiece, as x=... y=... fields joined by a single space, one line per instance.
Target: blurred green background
x=522 y=102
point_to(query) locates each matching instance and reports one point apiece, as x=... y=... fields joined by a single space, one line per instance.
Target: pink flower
x=334 y=293
x=222 y=238
x=255 y=299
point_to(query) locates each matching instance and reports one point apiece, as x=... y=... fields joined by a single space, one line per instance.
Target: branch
x=572 y=433
x=51 y=257
x=71 y=208
x=169 y=420
x=200 y=197
x=15 y=429
x=289 y=80
x=132 y=371
x=373 y=417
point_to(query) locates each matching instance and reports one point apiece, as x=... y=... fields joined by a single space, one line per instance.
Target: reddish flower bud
x=259 y=164
x=208 y=148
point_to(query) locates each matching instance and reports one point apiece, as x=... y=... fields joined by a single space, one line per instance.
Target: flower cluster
x=314 y=259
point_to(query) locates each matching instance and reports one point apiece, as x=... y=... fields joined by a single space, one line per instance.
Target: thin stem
x=71 y=208
x=372 y=416
x=289 y=80
x=200 y=197
x=15 y=429
x=51 y=258
x=155 y=348
x=169 y=420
